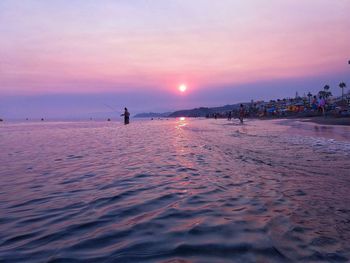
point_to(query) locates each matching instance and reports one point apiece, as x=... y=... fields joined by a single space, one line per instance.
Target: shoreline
x=328 y=120
x=319 y=127
x=341 y=121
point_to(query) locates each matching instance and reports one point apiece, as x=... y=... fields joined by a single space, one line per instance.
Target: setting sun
x=182 y=88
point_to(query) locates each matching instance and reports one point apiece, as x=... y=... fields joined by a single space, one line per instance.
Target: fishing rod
x=108 y=106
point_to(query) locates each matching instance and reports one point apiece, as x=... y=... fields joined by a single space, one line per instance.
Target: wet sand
x=329 y=120
x=310 y=129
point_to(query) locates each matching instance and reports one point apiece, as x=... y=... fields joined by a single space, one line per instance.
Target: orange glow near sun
x=182 y=88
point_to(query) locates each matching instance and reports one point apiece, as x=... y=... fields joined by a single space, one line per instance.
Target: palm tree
x=322 y=93
x=342 y=85
x=309 y=95
x=325 y=92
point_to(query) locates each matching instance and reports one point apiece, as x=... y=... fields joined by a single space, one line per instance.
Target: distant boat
x=1 y=120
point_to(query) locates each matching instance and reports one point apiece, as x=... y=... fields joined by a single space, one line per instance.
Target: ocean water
x=174 y=191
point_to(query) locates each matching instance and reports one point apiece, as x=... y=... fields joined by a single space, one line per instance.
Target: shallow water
x=173 y=191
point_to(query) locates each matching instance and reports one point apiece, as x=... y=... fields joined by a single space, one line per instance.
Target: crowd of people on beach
x=322 y=104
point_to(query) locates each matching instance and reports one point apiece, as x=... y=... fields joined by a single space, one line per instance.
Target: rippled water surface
x=174 y=191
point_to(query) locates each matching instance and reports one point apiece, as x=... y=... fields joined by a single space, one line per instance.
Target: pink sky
x=50 y=47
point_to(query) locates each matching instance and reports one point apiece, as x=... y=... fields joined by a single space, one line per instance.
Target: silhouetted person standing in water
x=126 y=115
x=229 y=117
x=241 y=113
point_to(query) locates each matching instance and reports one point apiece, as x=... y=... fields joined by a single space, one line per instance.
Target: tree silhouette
x=309 y=95
x=325 y=93
x=342 y=85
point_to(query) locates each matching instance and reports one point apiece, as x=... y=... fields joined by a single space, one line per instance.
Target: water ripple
x=164 y=191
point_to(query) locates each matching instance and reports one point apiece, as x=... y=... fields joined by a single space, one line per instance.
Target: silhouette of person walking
x=126 y=115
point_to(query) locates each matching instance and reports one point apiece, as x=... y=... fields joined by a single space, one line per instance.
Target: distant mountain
x=152 y=115
x=203 y=111
x=197 y=112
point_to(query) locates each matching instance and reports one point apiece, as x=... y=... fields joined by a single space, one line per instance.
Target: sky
x=86 y=58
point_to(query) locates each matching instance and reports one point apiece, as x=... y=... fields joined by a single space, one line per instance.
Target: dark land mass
x=203 y=111
x=196 y=112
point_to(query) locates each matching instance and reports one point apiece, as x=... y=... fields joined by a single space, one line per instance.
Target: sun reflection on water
x=181 y=122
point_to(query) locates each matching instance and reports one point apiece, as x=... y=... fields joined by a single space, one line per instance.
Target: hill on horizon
x=196 y=112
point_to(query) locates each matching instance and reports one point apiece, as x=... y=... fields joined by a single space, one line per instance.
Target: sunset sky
x=72 y=58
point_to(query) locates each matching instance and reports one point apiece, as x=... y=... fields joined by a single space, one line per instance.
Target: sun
x=182 y=88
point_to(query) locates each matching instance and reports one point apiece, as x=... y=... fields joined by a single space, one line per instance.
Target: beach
x=191 y=190
x=345 y=121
